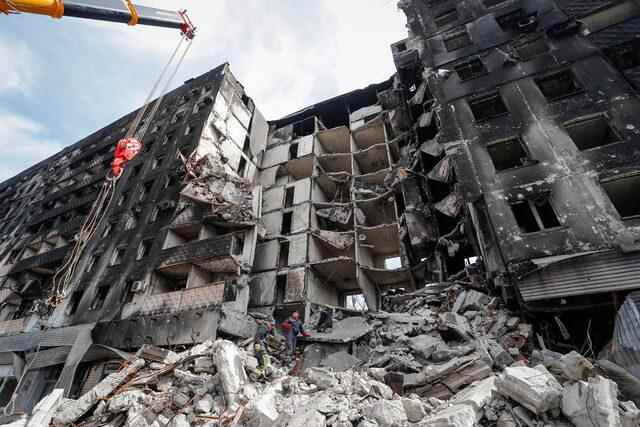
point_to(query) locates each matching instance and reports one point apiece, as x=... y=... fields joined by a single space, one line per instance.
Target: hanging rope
x=62 y=279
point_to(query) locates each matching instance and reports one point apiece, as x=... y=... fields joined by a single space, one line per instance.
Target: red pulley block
x=126 y=150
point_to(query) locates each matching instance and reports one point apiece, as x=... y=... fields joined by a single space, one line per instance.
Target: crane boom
x=123 y=11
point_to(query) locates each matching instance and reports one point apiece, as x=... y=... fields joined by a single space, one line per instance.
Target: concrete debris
x=534 y=388
x=593 y=402
x=445 y=355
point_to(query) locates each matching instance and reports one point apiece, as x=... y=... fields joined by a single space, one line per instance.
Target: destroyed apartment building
x=503 y=155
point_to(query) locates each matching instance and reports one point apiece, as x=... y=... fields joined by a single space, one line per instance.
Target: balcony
x=174 y=302
x=45 y=263
x=216 y=254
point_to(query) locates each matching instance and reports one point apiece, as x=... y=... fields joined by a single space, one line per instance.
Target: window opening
x=283 y=258
x=289 y=195
x=457 y=41
x=101 y=296
x=74 y=302
x=281 y=288
x=531 y=49
x=446 y=18
x=558 y=85
x=591 y=133
x=393 y=263
x=623 y=193
x=535 y=215
x=144 y=249
x=488 y=107
x=287 y=219
x=508 y=154
x=293 y=151
x=471 y=69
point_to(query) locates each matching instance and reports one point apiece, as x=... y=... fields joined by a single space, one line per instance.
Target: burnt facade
x=536 y=106
x=170 y=262
x=504 y=151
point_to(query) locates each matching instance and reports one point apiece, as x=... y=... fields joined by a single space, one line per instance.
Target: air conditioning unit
x=138 y=286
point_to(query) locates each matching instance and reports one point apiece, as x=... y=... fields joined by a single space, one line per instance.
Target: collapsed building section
x=502 y=157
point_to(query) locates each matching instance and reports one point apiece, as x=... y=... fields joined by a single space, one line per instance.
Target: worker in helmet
x=292 y=328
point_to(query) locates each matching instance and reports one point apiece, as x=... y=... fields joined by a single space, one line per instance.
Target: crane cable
x=64 y=275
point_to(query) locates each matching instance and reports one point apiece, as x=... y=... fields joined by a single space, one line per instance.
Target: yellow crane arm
x=123 y=11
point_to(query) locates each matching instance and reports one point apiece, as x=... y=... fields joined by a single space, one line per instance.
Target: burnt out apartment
x=505 y=152
x=169 y=263
x=533 y=106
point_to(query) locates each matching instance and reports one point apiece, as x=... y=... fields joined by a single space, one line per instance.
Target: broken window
x=392 y=263
x=118 y=254
x=508 y=154
x=304 y=127
x=531 y=49
x=471 y=69
x=623 y=193
x=242 y=166
x=281 y=288
x=100 y=297
x=127 y=295
x=446 y=18
x=144 y=249
x=488 y=107
x=355 y=302
x=535 y=215
x=238 y=245
x=74 y=302
x=293 y=151
x=592 y=132
x=558 y=85
x=283 y=258
x=457 y=41
x=289 y=195
x=287 y=219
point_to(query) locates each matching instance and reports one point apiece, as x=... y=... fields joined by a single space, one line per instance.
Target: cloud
x=288 y=54
x=20 y=66
x=23 y=143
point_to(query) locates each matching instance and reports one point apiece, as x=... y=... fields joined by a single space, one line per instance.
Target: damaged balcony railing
x=216 y=253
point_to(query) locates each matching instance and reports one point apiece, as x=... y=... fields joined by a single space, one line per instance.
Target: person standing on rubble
x=292 y=328
x=260 y=348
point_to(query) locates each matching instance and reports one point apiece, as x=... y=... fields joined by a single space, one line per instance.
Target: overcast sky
x=63 y=79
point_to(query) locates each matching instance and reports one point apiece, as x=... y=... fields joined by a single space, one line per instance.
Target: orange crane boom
x=123 y=11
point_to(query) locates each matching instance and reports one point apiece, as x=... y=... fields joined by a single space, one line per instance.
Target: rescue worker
x=263 y=331
x=292 y=328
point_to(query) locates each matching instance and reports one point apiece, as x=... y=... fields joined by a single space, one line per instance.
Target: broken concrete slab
x=45 y=409
x=72 y=411
x=387 y=413
x=593 y=402
x=424 y=345
x=346 y=330
x=340 y=361
x=455 y=326
x=232 y=376
x=470 y=300
x=460 y=415
x=535 y=389
x=478 y=394
x=414 y=408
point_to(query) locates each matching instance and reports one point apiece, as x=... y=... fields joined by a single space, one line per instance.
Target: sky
x=64 y=79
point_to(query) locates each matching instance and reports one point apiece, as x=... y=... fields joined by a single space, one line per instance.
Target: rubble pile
x=447 y=355
x=228 y=198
